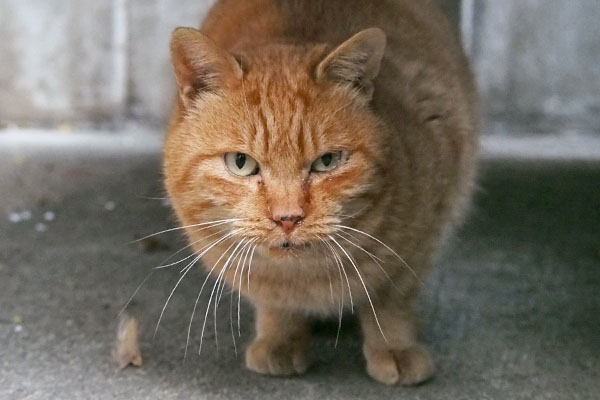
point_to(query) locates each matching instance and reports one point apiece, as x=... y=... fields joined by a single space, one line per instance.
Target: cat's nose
x=287 y=222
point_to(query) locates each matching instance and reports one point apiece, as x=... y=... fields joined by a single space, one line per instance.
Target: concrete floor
x=511 y=312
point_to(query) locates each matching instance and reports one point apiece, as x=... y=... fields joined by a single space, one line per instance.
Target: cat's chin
x=287 y=249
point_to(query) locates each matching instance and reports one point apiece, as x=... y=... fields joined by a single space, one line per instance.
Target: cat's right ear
x=356 y=62
x=199 y=64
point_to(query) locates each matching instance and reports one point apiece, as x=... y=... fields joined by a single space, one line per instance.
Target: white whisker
x=187 y=269
x=210 y=299
x=374 y=258
x=188 y=226
x=241 y=254
x=363 y=284
x=161 y=266
x=221 y=286
x=240 y=289
x=341 y=302
x=135 y=292
x=341 y=265
x=198 y=298
x=250 y=266
x=384 y=245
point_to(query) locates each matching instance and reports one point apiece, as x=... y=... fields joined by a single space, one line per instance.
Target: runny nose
x=287 y=222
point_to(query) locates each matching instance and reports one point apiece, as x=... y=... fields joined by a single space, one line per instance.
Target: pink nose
x=288 y=223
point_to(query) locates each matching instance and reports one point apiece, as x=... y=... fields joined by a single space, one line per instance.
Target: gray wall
x=538 y=61
x=88 y=62
x=100 y=63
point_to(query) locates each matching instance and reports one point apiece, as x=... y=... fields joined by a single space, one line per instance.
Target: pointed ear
x=199 y=64
x=356 y=61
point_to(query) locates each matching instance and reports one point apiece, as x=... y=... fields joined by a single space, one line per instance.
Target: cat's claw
x=407 y=367
x=268 y=358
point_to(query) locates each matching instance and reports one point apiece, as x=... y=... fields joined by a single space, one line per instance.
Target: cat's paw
x=406 y=367
x=265 y=357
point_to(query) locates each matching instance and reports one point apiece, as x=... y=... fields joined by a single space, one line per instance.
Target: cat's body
x=404 y=130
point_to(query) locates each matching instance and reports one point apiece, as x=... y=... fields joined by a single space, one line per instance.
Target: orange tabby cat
x=318 y=153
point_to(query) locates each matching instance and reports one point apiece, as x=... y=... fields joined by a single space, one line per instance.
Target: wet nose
x=287 y=222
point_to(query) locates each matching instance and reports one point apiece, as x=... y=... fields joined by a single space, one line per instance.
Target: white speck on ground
x=25 y=215
x=110 y=205
x=15 y=218
x=18 y=328
x=41 y=227
x=49 y=216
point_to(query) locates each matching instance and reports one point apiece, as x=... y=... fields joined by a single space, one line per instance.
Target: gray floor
x=511 y=312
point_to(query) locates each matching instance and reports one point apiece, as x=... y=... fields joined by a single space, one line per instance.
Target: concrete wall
x=103 y=62
x=62 y=60
x=537 y=61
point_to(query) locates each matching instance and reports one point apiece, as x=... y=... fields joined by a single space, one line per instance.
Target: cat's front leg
x=397 y=358
x=281 y=343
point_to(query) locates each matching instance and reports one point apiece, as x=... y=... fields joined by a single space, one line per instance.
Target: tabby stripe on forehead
x=297 y=127
x=263 y=134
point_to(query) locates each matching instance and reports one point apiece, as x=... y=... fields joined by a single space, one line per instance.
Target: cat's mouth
x=287 y=248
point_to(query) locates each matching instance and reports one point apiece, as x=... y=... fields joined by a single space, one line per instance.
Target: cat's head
x=280 y=139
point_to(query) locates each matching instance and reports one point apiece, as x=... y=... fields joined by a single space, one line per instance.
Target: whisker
x=375 y=259
x=363 y=284
x=198 y=299
x=161 y=266
x=187 y=226
x=341 y=264
x=135 y=292
x=221 y=286
x=352 y=216
x=187 y=269
x=210 y=299
x=384 y=245
x=371 y=255
x=250 y=266
x=341 y=302
x=240 y=289
x=242 y=251
x=209 y=246
x=164 y=266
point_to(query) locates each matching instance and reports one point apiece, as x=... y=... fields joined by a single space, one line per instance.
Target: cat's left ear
x=355 y=62
x=200 y=64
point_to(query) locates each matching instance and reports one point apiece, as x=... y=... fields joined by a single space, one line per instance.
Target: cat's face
x=281 y=153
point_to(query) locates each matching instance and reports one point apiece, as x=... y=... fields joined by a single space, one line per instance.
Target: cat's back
x=414 y=26
x=421 y=43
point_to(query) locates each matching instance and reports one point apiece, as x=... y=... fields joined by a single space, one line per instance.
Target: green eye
x=326 y=162
x=241 y=164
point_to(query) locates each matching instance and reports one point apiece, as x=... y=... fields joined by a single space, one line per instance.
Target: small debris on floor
x=41 y=227
x=110 y=205
x=150 y=244
x=17 y=321
x=127 y=348
x=49 y=216
x=16 y=217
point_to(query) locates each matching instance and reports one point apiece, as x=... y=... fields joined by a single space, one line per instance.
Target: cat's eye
x=241 y=164
x=326 y=162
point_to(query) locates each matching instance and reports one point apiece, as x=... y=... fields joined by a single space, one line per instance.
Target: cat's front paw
x=407 y=367
x=266 y=357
